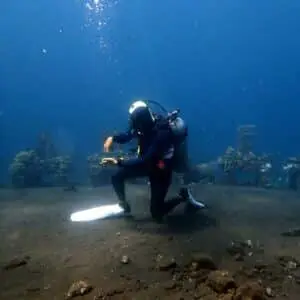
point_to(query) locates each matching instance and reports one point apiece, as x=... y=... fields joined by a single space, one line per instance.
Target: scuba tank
x=176 y=123
x=178 y=126
x=180 y=132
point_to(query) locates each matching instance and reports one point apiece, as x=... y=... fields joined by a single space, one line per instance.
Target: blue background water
x=224 y=63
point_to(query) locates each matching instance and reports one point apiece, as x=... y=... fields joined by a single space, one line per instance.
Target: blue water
x=73 y=72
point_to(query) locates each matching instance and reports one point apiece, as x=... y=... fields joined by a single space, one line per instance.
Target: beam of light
x=97 y=213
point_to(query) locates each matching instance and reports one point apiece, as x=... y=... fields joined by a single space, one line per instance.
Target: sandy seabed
x=139 y=259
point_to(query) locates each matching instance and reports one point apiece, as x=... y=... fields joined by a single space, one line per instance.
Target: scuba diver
x=162 y=144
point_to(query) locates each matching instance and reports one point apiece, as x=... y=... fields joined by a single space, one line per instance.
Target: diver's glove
x=108 y=161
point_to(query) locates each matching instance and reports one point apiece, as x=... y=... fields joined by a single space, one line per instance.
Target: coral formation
x=40 y=166
x=244 y=161
x=292 y=169
x=26 y=169
x=234 y=161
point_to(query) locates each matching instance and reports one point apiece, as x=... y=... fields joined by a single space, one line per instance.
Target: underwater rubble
x=199 y=277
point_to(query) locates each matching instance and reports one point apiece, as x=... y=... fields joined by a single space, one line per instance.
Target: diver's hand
x=109 y=161
x=108 y=143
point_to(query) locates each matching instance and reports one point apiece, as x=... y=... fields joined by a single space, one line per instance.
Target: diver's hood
x=141 y=117
x=136 y=105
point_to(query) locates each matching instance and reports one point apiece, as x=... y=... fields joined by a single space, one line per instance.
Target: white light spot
x=96 y=213
x=44 y=51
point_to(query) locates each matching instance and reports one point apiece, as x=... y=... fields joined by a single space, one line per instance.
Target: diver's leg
x=192 y=205
x=160 y=182
x=186 y=178
x=118 y=182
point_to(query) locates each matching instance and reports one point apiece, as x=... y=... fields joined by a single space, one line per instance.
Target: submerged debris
x=165 y=263
x=79 y=288
x=202 y=261
x=125 y=260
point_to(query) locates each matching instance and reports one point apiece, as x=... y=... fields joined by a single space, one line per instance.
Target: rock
x=178 y=277
x=249 y=243
x=170 y=285
x=237 y=248
x=285 y=261
x=260 y=265
x=194 y=266
x=295 y=276
x=189 y=285
x=202 y=261
x=220 y=281
x=239 y=257
x=125 y=260
x=291 y=265
x=250 y=291
x=16 y=262
x=79 y=288
x=165 y=264
x=204 y=292
x=292 y=232
x=200 y=275
x=140 y=285
x=114 y=292
x=226 y=297
x=269 y=292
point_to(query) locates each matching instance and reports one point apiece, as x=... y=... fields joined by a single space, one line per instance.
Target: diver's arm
x=154 y=150
x=124 y=137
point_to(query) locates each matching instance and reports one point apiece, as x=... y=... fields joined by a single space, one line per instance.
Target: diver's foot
x=125 y=206
x=191 y=204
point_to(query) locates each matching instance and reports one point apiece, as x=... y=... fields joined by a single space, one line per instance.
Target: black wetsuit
x=152 y=162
